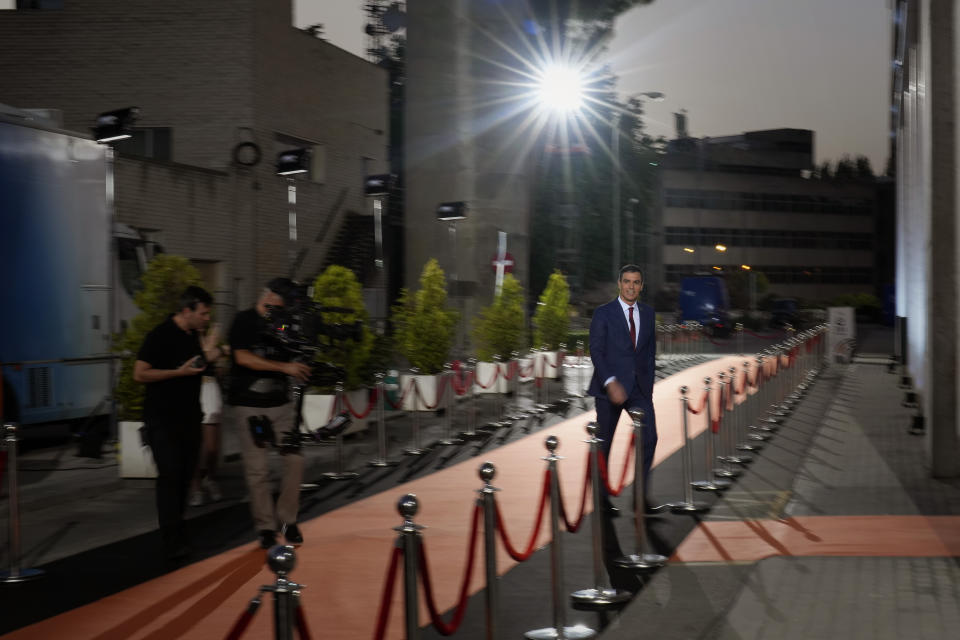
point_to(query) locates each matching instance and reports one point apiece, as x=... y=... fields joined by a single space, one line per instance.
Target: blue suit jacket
x=612 y=352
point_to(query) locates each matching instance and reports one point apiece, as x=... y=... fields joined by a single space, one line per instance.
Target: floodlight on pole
x=112 y=126
x=293 y=161
x=449 y=211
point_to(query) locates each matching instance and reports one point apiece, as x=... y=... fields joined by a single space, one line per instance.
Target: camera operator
x=169 y=363
x=260 y=397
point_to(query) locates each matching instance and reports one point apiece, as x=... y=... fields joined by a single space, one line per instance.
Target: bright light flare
x=561 y=89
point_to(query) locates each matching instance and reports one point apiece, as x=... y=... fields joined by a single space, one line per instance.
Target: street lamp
x=655 y=96
x=378 y=187
x=451 y=212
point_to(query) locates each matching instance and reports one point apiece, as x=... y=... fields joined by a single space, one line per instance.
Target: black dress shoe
x=292 y=534
x=178 y=552
x=267 y=538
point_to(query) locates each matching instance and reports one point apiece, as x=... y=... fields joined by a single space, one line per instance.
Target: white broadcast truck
x=57 y=302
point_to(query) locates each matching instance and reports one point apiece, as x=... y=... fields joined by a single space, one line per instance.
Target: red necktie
x=633 y=328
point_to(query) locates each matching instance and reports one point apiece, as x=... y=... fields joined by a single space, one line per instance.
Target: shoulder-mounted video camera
x=299 y=325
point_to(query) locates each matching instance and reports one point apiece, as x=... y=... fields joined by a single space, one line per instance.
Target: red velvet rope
x=572 y=527
x=417 y=394
x=512 y=367
x=531 y=546
x=443 y=628
x=496 y=374
x=468 y=380
x=703 y=403
x=526 y=373
x=240 y=625
x=623 y=472
x=386 y=598
x=403 y=394
x=366 y=412
x=302 y=629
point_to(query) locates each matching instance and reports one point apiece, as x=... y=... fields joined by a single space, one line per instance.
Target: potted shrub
x=163 y=281
x=551 y=322
x=424 y=330
x=338 y=287
x=499 y=330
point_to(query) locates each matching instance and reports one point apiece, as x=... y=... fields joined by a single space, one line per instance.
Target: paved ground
x=844 y=451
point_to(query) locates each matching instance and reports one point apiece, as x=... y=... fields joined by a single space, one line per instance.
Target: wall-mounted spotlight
x=115 y=125
x=378 y=185
x=452 y=211
x=293 y=161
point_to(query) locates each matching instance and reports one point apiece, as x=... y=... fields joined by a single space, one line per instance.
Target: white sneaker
x=196 y=499
x=213 y=489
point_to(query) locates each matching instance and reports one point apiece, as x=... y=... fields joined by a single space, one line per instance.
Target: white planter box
x=577 y=375
x=427 y=386
x=485 y=374
x=318 y=410
x=136 y=460
x=547 y=364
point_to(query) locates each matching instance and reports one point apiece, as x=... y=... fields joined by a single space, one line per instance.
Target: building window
x=155 y=143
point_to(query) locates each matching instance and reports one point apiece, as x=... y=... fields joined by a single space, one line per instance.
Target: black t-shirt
x=168 y=346
x=250 y=387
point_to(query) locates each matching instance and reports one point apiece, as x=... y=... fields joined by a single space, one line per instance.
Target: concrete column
x=943 y=288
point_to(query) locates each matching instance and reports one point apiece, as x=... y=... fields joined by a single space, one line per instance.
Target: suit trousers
x=608 y=414
x=175 y=445
x=256 y=468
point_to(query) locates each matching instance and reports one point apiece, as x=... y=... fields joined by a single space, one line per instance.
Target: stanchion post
x=739 y=329
x=282 y=560
x=339 y=474
x=448 y=438
x=381 y=459
x=471 y=411
x=559 y=630
x=712 y=482
x=726 y=471
x=733 y=455
x=487 y=502
x=15 y=572
x=687 y=505
x=409 y=541
x=748 y=441
x=753 y=431
x=641 y=560
x=599 y=595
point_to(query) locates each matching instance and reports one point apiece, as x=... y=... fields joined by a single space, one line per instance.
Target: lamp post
x=451 y=212
x=656 y=96
x=290 y=163
x=378 y=187
x=111 y=127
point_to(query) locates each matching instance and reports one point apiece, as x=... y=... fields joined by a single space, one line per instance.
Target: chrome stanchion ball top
x=282 y=560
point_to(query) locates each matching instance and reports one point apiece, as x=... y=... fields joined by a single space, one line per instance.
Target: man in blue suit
x=623 y=345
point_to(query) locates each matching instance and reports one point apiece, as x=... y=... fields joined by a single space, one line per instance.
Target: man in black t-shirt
x=259 y=386
x=169 y=363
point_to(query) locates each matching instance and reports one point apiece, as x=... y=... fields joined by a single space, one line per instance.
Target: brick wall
x=218 y=72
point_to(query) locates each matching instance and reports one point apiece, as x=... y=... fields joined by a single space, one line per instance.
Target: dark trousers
x=175 y=447
x=608 y=415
